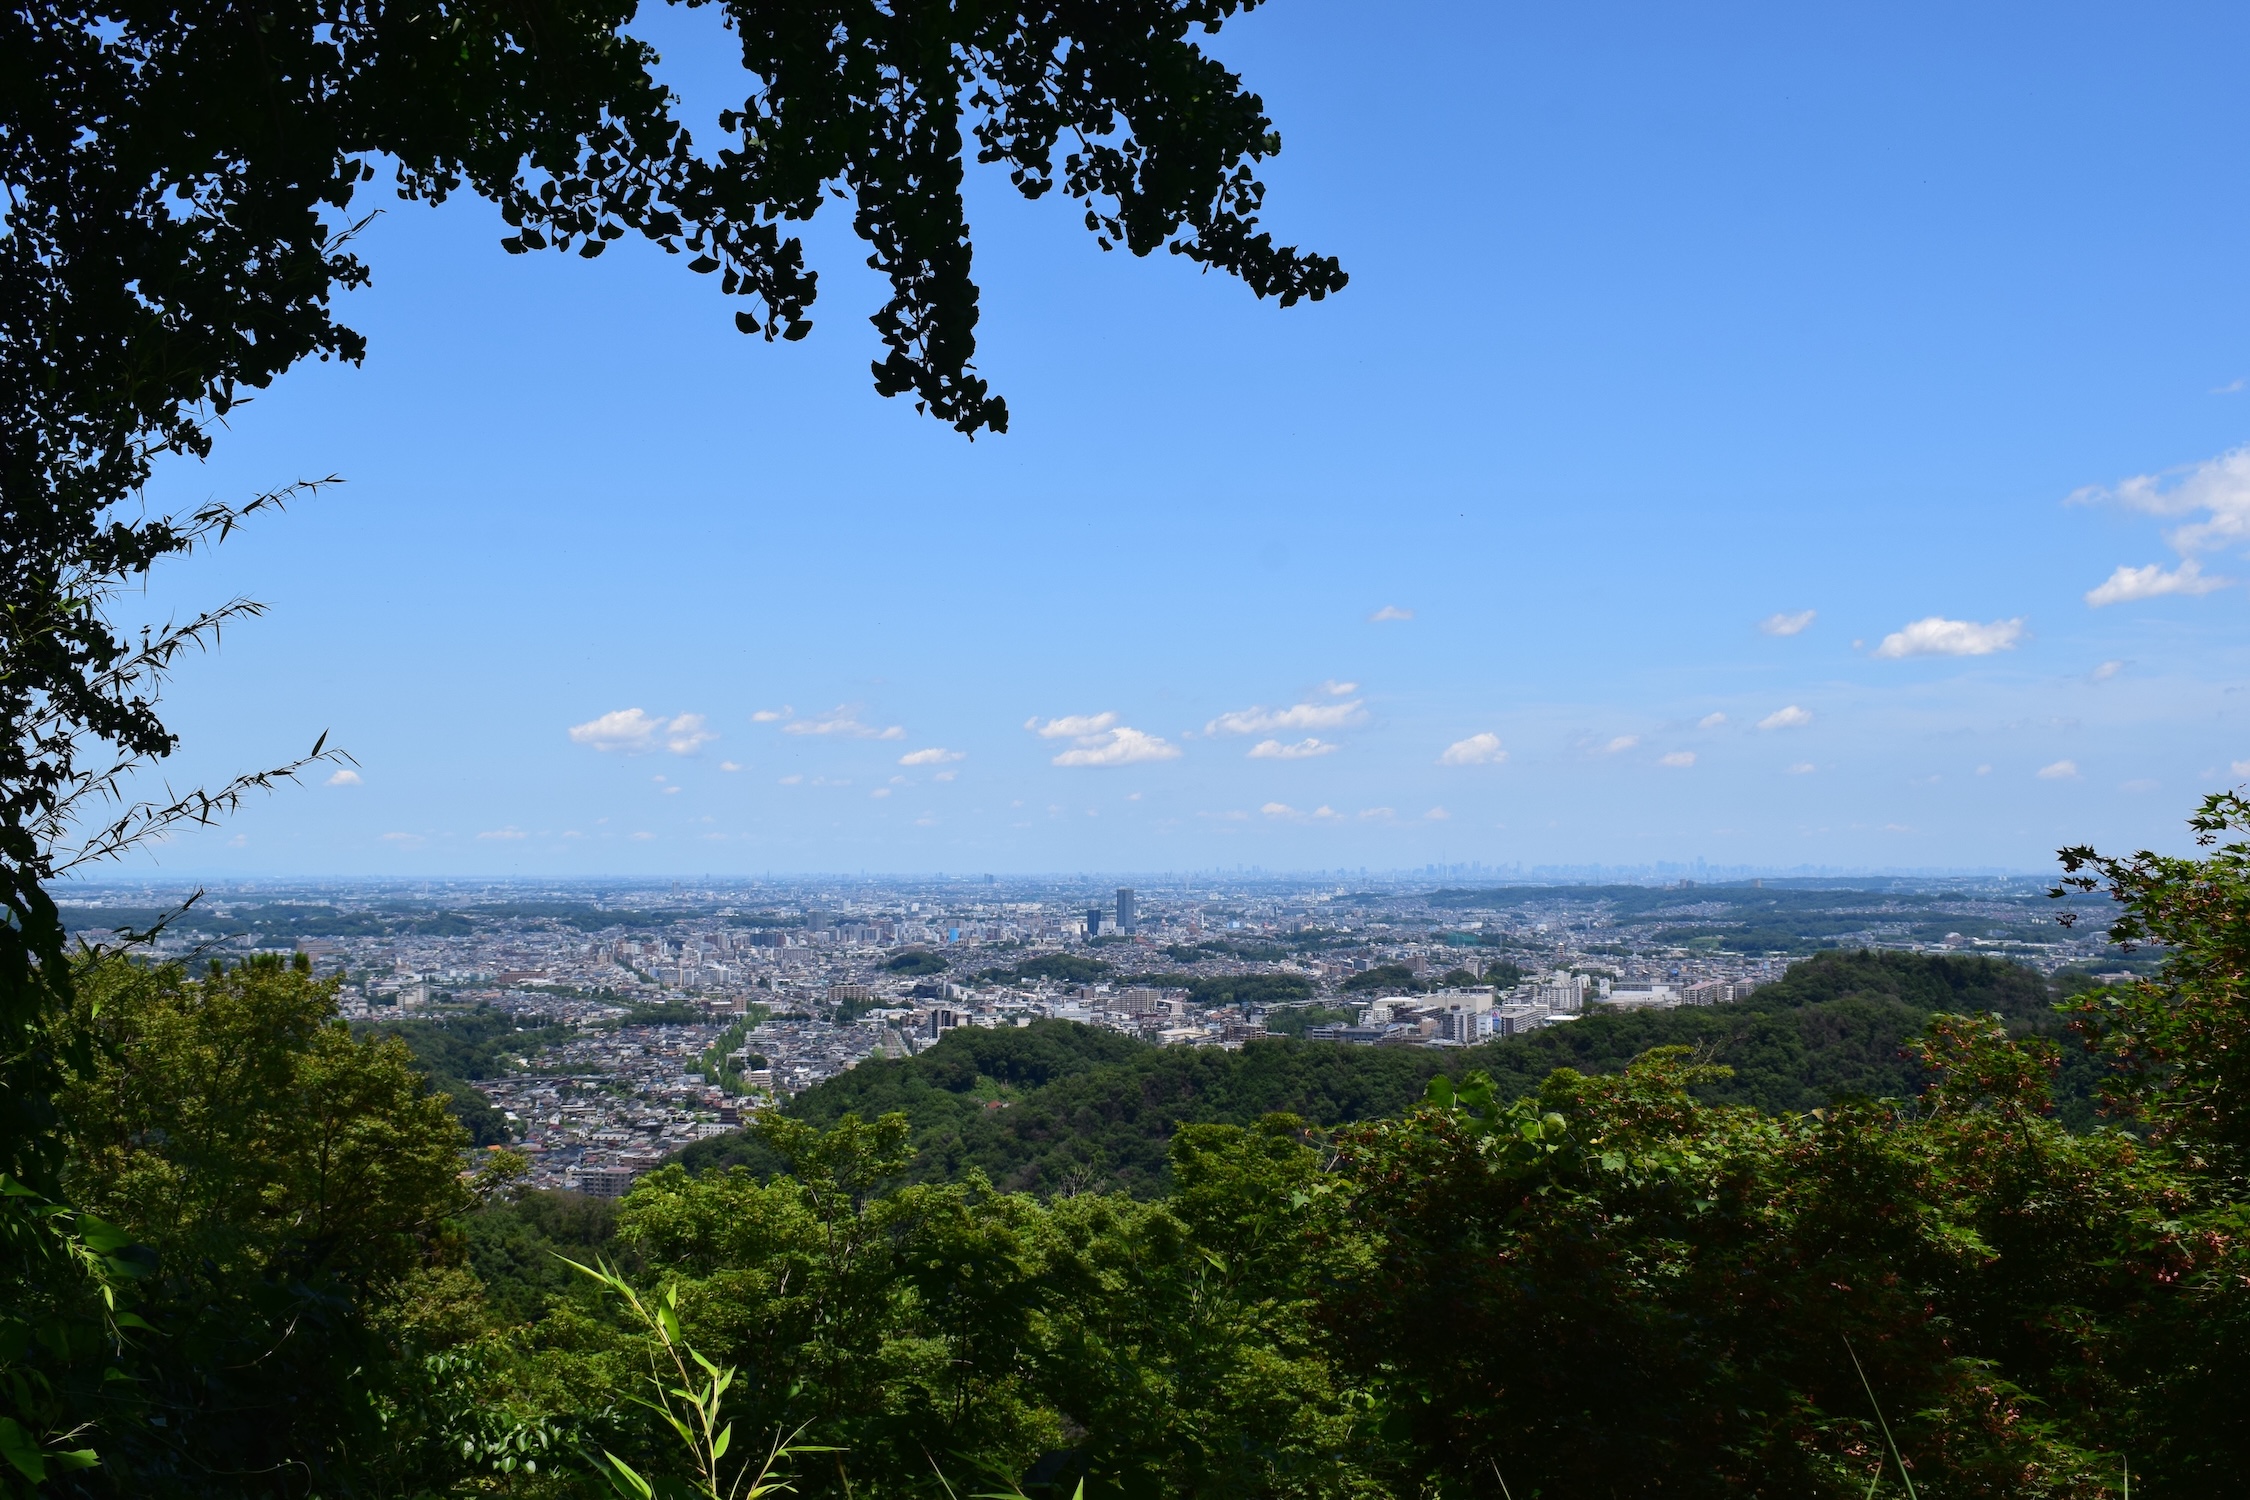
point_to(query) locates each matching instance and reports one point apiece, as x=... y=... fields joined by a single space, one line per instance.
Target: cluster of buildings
x=651 y=978
x=595 y=1111
x=1463 y=1017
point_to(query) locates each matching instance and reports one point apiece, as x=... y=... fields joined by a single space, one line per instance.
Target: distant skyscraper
x=1093 y=921
x=1125 y=909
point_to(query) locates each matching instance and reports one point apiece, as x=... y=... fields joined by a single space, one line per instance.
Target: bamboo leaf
x=623 y=1478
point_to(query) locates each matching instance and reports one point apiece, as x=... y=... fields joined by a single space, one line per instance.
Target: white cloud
x=1621 y=744
x=945 y=775
x=1476 y=750
x=840 y=721
x=1803 y=768
x=1390 y=612
x=510 y=833
x=1791 y=717
x=687 y=734
x=1099 y=740
x=2218 y=488
x=635 y=732
x=1984 y=770
x=1783 y=624
x=2239 y=767
x=2106 y=671
x=1282 y=812
x=1379 y=812
x=1677 y=758
x=1070 y=726
x=1437 y=815
x=405 y=840
x=1302 y=750
x=1121 y=746
x=728 y=765
x=1262 y=720
x=1938 y=636
x=1710 y=721
x=1335 y=689
x=641 y=837
x=2061 y=770
x=881 y=791
x=345 y=776
x=2129 y=585
x=935 y=755
x=626 y=729
x=768 y=715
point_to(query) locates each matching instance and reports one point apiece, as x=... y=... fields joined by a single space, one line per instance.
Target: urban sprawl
x=669 y=1014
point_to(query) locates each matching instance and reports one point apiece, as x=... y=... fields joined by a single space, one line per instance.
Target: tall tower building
x=1093 y=921
x=1125 y=909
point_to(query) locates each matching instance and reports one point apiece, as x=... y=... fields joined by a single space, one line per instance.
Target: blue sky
x=1894 y=330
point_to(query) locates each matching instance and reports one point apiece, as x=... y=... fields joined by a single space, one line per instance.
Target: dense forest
x=1059 y=1107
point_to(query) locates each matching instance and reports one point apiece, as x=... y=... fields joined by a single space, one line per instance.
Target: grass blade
x=1883 y=1422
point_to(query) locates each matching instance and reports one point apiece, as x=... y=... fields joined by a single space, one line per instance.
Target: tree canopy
x=1724 y=1252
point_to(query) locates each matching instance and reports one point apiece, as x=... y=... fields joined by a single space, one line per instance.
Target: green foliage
x=1832 y=1239
x=718 y=1058
x=73 y=1283
x=915 y=961
x=1250 y=990
x=1674 y=1283
x=516 y=1246
x=1129 y=1348
x=1056 y=1107
x=1254 y=991
x=1069 y=968
x=1384 y=979
x=294 y=1182
x=2181 y=1037
x=671 y=1013
x=1838 y=1026
x=1296 y=1020
x=1059 y=1107
x=694 y=1409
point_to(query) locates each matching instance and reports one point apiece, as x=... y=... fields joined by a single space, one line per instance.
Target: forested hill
x=1059 y=1107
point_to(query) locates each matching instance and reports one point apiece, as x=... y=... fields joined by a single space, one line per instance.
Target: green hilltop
x=1058 y=1107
